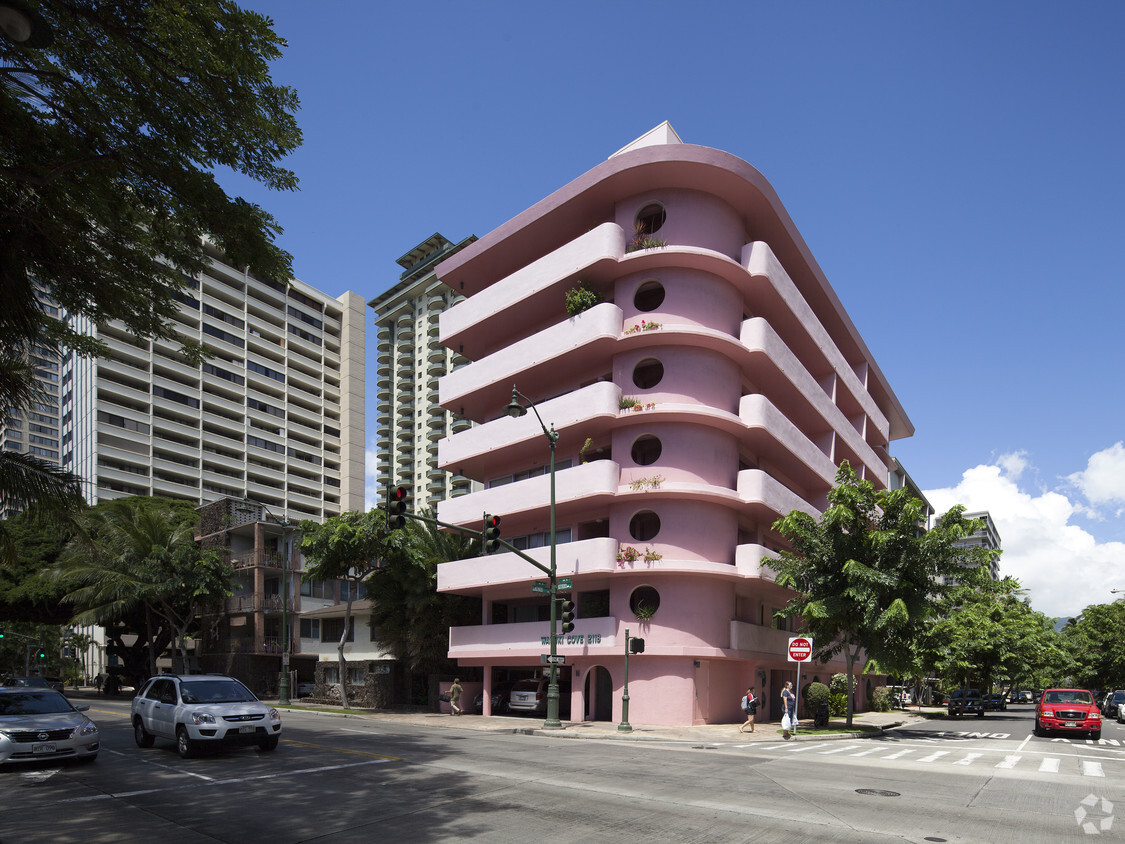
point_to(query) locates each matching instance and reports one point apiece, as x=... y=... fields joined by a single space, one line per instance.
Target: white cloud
x=1103 y=479
x=1061 y=565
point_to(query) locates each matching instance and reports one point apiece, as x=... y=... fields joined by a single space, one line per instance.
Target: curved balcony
x=483 y=388
x=484 y=322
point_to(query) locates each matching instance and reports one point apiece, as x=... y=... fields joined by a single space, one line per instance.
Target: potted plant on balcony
x=582 y=298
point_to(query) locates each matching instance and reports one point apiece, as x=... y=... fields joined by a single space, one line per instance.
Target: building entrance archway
x=597 y=695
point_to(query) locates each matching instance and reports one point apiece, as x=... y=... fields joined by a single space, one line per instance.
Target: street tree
x=412 y=616
x=111 y=137
x=348 y=547
x=138 y=557
x=866 y=573
x=1095 y=641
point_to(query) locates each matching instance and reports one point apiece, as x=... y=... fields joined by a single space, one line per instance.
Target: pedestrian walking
x=455 y=697
x=749 y=708
x=789 y=707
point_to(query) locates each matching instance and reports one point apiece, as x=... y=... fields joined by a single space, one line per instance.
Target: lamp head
x=515 y=409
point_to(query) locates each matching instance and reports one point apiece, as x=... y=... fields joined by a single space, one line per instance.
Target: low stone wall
x=374 y=693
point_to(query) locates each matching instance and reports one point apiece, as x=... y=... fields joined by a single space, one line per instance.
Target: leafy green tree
x=348 y=547
x=865 y=574
x=110 y=138
x=985 y=632
x=26 y=594
x=1095 y=640
x=140 y=554
x=412 y=617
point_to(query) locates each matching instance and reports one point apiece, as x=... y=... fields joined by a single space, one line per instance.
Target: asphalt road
x=336 y=779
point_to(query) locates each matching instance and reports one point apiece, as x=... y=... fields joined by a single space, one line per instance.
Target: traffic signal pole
x=624 y=726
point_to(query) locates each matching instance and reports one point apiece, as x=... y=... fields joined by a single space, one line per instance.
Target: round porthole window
x=650 y=218
x=648 y=373
x=644 y=602
x=649 y=296
x=644 y=526
x=646 y=450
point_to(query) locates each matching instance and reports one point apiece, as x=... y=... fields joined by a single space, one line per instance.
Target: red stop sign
x=800 y=649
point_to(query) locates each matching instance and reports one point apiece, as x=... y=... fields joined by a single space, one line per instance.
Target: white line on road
x=1092 y=769
x=897 y=755
x=234 y=781
x=968 y=759
x=165 y=767
x=937 y=754
x=803 y=748
x=1049 y=765
x=840 y=749
x=868 y=752
x=1009 y=761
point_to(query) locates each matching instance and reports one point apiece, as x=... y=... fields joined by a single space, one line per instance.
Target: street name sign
x=800 y=649
x=565 y=583
x=552 y=659
x=541 y=587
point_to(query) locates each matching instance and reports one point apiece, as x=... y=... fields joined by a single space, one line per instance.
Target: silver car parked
x=199 y=711
x=39 y=724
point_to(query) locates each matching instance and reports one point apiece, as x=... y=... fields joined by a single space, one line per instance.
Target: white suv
x=202 y=710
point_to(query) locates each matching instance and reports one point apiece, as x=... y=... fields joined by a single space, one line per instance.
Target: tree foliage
x=986 y=633
x=137 y=558
x=109 y=142
x=1096 y=642
x=412 y=616
x=348 y=547
x=865 y=574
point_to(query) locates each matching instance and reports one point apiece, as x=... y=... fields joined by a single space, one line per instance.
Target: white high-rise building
x=276 y=413
x=410 y=360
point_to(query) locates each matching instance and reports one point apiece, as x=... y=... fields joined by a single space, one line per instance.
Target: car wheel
x=184 y=745
x=1096 y=734
x=86 y=760
x=268 y=743
x=1038 y=730
x=141 y=736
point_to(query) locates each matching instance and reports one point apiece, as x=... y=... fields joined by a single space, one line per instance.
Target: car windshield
x=1066 y=696
x=526 y=686
x=214 y=691
x=33 y=703
x=37 y=682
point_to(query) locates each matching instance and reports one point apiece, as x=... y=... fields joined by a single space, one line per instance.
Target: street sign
x=541 y=587
x=555 y=659
x=800 y=649
x=564 y=583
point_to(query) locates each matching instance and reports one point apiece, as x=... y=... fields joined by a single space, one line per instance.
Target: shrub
x=581 y=298
x=815 y=695
x=839 y=684
x=838 y=705
x=881 y=699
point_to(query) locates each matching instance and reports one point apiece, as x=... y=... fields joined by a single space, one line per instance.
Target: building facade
x=715 y=387
x=987 y=536
x=276 y=413
x=410 y=360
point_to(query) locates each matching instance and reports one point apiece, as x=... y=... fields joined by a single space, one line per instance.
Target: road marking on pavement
x=344 y=750
x=1049 y=765
x=898 y=755
x=233 y=781
x=968 y=759
x=803 y=748
x=843 y=749
x=1009 y=761
x=1092 y=769
x=937 y=754
x=148 y=761
x=868 y=752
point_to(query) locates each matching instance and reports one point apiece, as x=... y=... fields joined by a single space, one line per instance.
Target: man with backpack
x=750 y=708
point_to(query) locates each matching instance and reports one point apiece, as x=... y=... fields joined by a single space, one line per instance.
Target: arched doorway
x=597 y=695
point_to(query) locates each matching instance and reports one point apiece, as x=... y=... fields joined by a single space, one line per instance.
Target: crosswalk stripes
x=1047 y=765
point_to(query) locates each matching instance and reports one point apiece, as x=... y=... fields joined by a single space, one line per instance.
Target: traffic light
x=396 y=507
x=567 y=616
x=491 y=534
x=42 y=654
x=636 y=646
x=1 y=632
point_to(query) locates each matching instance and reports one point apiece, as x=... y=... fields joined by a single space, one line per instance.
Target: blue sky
x=957 y=170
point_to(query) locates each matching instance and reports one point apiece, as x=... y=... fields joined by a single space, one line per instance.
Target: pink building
x=715 y=388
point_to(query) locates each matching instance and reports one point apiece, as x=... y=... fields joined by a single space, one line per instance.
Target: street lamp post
x=516 y=410
x=287 y=538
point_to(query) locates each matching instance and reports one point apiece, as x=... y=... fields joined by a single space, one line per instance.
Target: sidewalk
x=605 y=730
